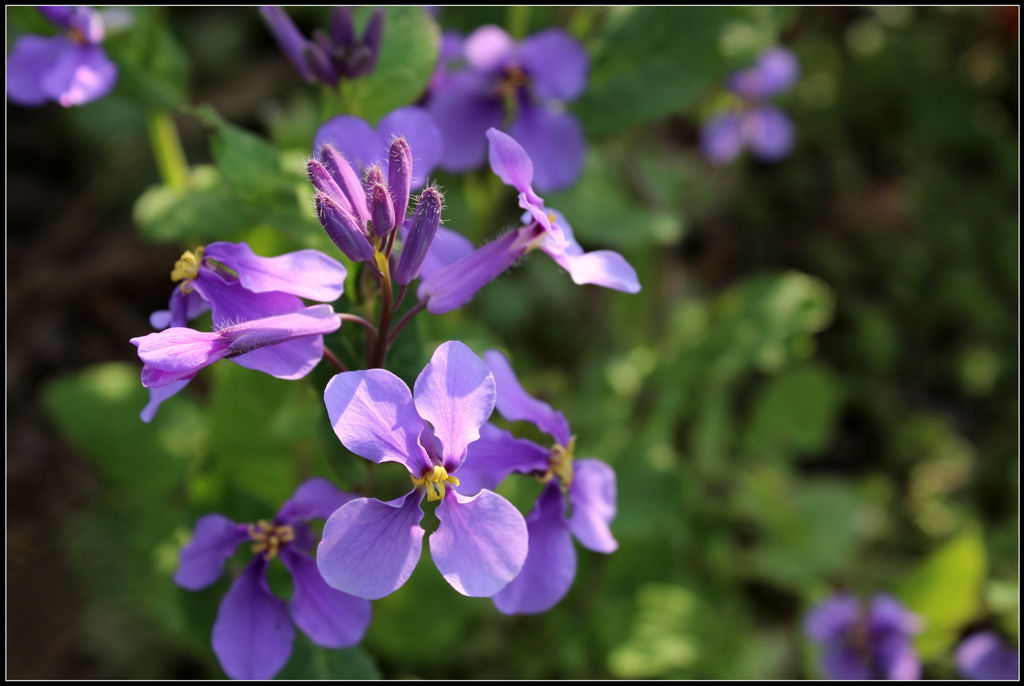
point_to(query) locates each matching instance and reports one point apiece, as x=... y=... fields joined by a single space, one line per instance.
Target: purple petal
x=463 y=109
x=456 y=284
x=776 y=70
x=305 y=273
x=452 y=43
x=343 y=228
x=232 y=303
x=60 y=15
x=80 y=74
x=895 y=657
x=448 y=247
x=601 y=267
x=288 y=360
x=721 y=139
x=370 y=548
x=832 y=618
x=480 y=544
x=330 y=618
x=488 y=47
x=424 y=137
x=183 y=307
x=28 y=64
x=288 y=38
x=769 y=132
x=550 y=565
x=592 y=494
x=509 y=160
x=455 y=393
x=316 y=498
x=555 y=143
x=373 y=414
x=888 y=614
x=983 y=656
x=253 y=634
x=202 y=560
x=286 y=346
x=88 y=23
x=515 y=404
x=496 y=455
x=178 y=353
x=157 y=396
x=354 y=138
x=557 y=65
x=841 y=661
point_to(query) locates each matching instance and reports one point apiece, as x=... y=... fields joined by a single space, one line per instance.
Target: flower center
x=269 y=538
x=187 y=268
x=512 y=80
x=76 y=36
x=560 y=464
x=435 y=481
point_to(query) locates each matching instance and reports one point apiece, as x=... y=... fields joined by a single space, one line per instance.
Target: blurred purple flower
x=983 y=656
x=329 y=57
x=588 y=484
x=364 y=146
x=447 y=288
x=765 y=129
x=865 y=642
x=253 y=633
x=537 y=75
x=369 y=547
x=70 y=68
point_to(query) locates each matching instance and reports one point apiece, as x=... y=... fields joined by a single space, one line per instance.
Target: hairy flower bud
x=400 y=176
x=319 y=63
x=382 y=210
x=348 y=181
x=343 y=229
x=425 y=221
x=323 y=182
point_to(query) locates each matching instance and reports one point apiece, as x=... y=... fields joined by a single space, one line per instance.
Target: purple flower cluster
x=70 y=68
x=754 y=123
x=865 y=642
x=329 y=57
x=531 y=79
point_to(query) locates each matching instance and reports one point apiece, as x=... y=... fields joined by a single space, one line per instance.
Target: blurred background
x=817 y=388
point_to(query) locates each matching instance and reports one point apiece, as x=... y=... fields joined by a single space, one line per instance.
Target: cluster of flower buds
x=329 y=57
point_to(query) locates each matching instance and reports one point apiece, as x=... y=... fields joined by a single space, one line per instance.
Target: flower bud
x=342 y=30
x=400 y=176
x=323 y=182
x=319 y=63
x=422 y=230
x=343 y=229
x=348 y=181
x=382 y=210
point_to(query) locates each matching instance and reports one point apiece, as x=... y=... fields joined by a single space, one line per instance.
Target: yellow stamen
x=560 y=459
x=269 y=538
x=434 y=482
x=187 y=268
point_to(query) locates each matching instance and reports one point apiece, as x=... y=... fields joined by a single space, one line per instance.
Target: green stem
x=167 y=150
x=518 y=20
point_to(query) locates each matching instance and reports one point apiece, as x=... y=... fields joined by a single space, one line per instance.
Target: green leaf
x=945 y=591
x=407 y=58
x=650 y=62
x=207 y=210
x=309 y=661
x=794 y=412
x=152 y=66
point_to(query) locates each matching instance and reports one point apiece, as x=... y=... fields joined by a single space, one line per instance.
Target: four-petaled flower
x=369 y=547
x=587 y=484
x=70 y=68
x=453 y=286
x=862 y=642
x=764 y=128
x=253 y=633
x=537 y=76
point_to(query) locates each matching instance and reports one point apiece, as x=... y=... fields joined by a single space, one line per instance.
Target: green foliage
x=152 y=66
x=311 y=662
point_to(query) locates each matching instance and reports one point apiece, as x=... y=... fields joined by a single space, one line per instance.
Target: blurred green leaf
x=311 y=662
x=945 y=591
x=649 y=62
x=794 y=412
x=207 y=210
x=408 y=55
x=152 y=66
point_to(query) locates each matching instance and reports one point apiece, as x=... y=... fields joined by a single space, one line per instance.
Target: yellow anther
x=187 y=268
x=434 y=481
x=560 y=459
x=269 y=538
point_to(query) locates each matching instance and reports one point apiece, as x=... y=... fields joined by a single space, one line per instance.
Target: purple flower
x=369 y=547
x=587 y=484
x=865 y=642
x=365 y=146
x=328 y=58
x=70 y=68
x=451 y=287
x=253 y=633
x=538 y=75
x=286 y=346
x=983 y=656
x=754 y=123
